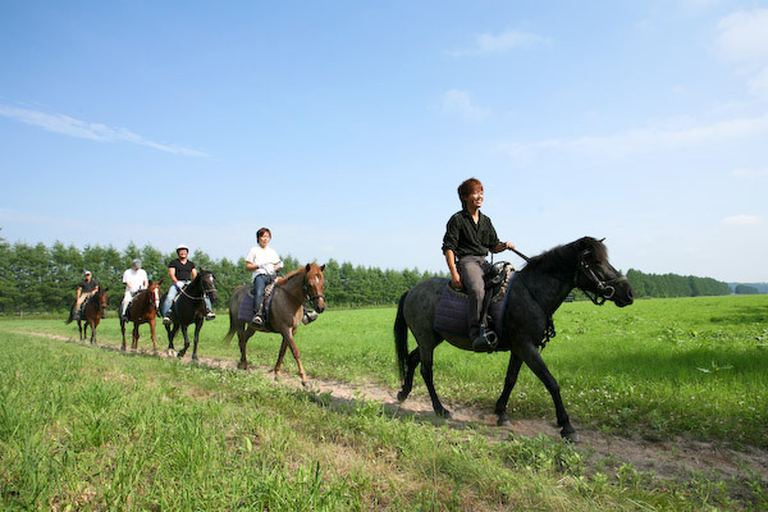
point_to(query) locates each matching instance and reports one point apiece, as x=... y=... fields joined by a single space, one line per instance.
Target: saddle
x=452 y=308
x=245 y=312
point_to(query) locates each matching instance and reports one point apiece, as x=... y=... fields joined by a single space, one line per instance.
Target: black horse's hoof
x=401 y=396
x=569 y=436
x=444 y=413
x=194 y=357
x=503 y=421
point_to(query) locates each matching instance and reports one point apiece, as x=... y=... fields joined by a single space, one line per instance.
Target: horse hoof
x=171 y=352
x=401 y=396
x=570 y=436
x=194 y=357
x=242 y=366
x=305 y=383
x=180 y=355
x=503 y=421
x=445 y=413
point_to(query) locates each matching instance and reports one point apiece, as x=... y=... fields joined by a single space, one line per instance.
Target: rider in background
x=469 y=235
x=135 y=279
x=87 y=287
x=182 y=271
x=264 y=262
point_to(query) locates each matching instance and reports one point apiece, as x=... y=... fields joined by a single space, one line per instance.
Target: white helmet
x=182 y=246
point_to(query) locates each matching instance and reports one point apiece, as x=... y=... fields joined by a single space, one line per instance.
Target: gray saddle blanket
x=453 y=307
x=245 y=312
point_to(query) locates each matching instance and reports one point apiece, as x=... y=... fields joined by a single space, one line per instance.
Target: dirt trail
x=676 y=459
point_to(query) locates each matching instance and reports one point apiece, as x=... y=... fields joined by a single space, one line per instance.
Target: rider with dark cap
x=85 y=289
x=469 y=235
x=182 y=271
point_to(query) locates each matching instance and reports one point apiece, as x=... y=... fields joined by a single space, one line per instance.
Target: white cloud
x=742 y=220
x=636 y=141
x=500 y=43
x=459 y=102
x=741 y=36
x=66 y=125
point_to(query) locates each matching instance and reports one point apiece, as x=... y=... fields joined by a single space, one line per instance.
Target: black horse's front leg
x=426 y=373
x=534 y=361
x=198 y=326
x=513 y=369
x=186 y=341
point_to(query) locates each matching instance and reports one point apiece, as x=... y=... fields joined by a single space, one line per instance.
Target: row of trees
x=39 y=278
x=673 y=285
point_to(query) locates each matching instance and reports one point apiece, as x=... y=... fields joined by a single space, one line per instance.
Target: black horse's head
x=597 y=278
x=208 y=280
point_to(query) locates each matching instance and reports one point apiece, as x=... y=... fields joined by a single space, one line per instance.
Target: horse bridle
x=606 y=289
x=308 y=291
x=205 y=291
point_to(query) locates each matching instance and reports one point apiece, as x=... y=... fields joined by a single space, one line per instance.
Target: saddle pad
x=245 y=312
x=452 y=310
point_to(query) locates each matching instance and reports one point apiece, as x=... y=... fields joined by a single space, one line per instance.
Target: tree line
x=37 y=278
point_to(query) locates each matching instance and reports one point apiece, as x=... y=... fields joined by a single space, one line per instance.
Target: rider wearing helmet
x=182 y=271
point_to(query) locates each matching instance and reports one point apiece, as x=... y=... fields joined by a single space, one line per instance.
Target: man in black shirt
x=87 y=287
x=469 y=235
x=182 y=271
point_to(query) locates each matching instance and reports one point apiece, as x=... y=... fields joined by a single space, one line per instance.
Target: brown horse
x=93 y=311
x=143 y=309
x=285 y=312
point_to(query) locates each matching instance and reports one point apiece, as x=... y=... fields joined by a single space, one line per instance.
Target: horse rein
x=605 y=289
x=201 y=297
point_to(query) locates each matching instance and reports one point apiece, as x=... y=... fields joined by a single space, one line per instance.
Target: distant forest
x=37 y=278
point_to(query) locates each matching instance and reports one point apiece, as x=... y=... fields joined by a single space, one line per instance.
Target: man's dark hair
x=261 y=231
x=466 y=188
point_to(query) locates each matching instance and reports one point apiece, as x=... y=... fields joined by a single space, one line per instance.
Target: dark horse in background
x=533 y=296
x=143 y=310
x=285 y=312
x=93 y=312
x=189 y=308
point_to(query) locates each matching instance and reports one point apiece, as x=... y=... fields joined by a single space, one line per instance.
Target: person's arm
x=193 y=274
x=250 y=266
x=172 y=275
x=450 y=259
x=503 y=246
x=78 y=292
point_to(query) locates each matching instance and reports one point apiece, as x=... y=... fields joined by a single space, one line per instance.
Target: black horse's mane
x=563 y=257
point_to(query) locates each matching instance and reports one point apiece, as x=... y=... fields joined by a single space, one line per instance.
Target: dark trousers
x=259 y=283
x=472 y=269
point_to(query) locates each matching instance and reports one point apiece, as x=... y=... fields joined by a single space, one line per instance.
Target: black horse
x=534 y=295
x=189 y=308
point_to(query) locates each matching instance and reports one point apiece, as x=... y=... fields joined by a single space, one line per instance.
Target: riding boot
x=480 y=342
x=309 y=316
x=258 y=318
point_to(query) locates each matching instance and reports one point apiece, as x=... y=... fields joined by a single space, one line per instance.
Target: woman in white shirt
x=264 y=262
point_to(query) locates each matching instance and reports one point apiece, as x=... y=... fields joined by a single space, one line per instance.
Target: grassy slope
x=90 y=429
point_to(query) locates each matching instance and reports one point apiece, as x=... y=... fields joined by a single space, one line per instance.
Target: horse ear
x=159 y=281
x=308 y=267
x=322 y=267
x=602 y=240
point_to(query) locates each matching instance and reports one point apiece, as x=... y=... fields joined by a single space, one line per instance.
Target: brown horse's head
x=154 y=293
x=103 y=299
x=314 y=285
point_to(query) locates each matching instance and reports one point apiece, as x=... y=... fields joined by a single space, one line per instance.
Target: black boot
x=480 y=342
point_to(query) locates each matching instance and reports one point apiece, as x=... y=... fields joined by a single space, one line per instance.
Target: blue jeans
x=165 y=307
x=259 y=283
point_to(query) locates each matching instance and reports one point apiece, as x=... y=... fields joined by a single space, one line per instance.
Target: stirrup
x=309 y=317
x=167 y=320
x=257 y=320
x=210 y=315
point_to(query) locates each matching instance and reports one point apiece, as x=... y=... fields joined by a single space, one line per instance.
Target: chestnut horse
x=285 y=312
x=143 y=309
x=93 y=311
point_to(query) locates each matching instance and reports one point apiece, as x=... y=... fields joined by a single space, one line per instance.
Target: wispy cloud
x=499 y=43
x=742 y=220
x=741 y=36
x=460 y=102
x=636 y=141
x=66 y=125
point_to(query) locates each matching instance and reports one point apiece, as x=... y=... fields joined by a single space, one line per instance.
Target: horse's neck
x=548 y=290
x=293 y=286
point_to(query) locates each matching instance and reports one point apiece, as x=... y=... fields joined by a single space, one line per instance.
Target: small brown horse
x=143 y=309
x=285 y=312
x=93 y=311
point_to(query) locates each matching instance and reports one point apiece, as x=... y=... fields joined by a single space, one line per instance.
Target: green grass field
x=93 y=429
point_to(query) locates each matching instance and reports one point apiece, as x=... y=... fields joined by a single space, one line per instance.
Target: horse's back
x=420 y=303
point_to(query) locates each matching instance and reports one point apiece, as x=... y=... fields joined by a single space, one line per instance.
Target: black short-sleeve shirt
x=88 y=286
x=183 y=270
x=465 y=238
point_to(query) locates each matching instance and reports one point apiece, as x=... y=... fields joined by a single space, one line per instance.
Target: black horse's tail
x=401 y=338
x=232 y=319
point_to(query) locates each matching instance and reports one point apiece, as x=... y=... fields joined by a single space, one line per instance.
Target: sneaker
x=257 y=321
x=210 y=315
x=167 y=320
x=309 y=316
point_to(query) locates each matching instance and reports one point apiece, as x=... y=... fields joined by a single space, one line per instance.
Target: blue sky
x=346 y=127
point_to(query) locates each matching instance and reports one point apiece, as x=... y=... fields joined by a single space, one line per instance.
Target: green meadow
x=82 y=428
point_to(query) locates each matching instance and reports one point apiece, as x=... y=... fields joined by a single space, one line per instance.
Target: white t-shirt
x=134 y=279
x=266 y=259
